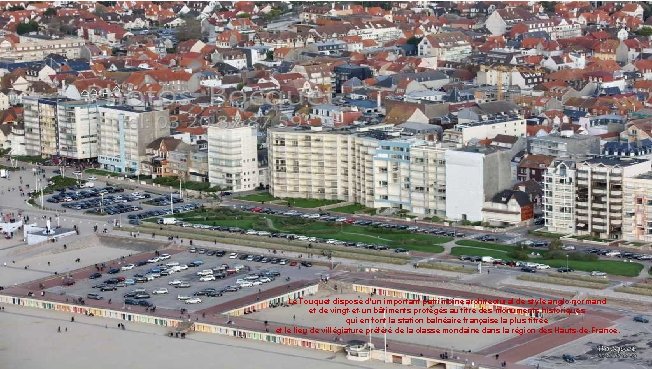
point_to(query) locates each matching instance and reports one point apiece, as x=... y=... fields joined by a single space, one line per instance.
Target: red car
x=257 y=210
x=293 y=263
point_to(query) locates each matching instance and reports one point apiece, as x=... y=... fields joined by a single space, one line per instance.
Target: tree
x=243 y=15
x=555 y=245
x=548 y=6
x=16 y=8
x=645 y=31
x=49 y=12
x=24 y=28
x=414 y=40
x=269 y=55
x=191 y=30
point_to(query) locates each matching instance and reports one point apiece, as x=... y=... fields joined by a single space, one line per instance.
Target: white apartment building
x=233 y=158
x=473 y=175
x=35 y=48
x=486 y=128
x=599 y=194
x=559 y=197
x=451 y=46
x=373 y=168
x=124 y=134
x=61 y=127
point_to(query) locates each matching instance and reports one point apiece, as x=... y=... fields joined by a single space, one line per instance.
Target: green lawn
x=100 y=172
x=60 y=183
x=310 y=203
x=29 y=159
x=614 y=267
x=351 y=209
x=473 y=251
x=325 y=230
x=493 y=246
x=299 y=203
x=257 y=197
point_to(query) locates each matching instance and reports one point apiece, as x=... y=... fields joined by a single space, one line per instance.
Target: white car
x=265 y=280
x=155 y=259
x=596 y=273
x=256 y=283
x=542 y=266
x=194 y=300
x=183 y=298
x=283 y=262
x=568 y=247
x=92 y=178
x=160 y=291
x=252 y=232
x=77 y=173
x=331 y=241
x=175 y=282
x=183 y=267
x=205 y=272
x=153 y=275
x=127 y=267
x=246 y=284
x=164 y=256
x=233 y=255
x=207 y=278
x=251 y=277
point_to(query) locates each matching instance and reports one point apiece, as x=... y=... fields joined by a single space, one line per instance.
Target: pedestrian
x=66 y=329
x=109 y=301
x=72 y=319
x=59 y=329
x=48 y=263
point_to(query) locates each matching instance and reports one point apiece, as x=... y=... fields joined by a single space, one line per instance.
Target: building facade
x=233 y=158
x=373 y=168
x=559 y=197
x=599 y=194
x=61 y=127
x=637 y=208
x=124 y=134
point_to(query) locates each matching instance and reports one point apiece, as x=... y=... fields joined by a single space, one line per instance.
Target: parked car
x=568 y=358
x=95 y=275
x=193 y=300
x=114 y=271
x=641 y=319
x=127 y=267
x=597 y=273
x=565 y=270
x=160 y=291
x=94 y=296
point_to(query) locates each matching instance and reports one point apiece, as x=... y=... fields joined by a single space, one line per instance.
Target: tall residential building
x=599 y=194
x=474 y=175
x=559 y=197
x=637 y=208
x=58 y=126
x=233 y=158
x=124 y=134
x=371 y=166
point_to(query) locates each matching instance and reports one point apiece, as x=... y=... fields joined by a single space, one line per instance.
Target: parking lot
x=234 y=278
x=112 y=200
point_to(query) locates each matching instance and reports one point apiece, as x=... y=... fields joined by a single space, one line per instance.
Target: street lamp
x=102 y=203
x=567 y=261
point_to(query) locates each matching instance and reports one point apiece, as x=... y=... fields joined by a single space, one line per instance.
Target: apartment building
x=35 y=48
x=559 y=197
x=599 y=194
x=233 y=157
x=637 y=208
x=124 y=133
x=486 y=128
x=565 y=145
x=473 y=175
x=61 y=127
x=449 y=46
x=374 y=167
